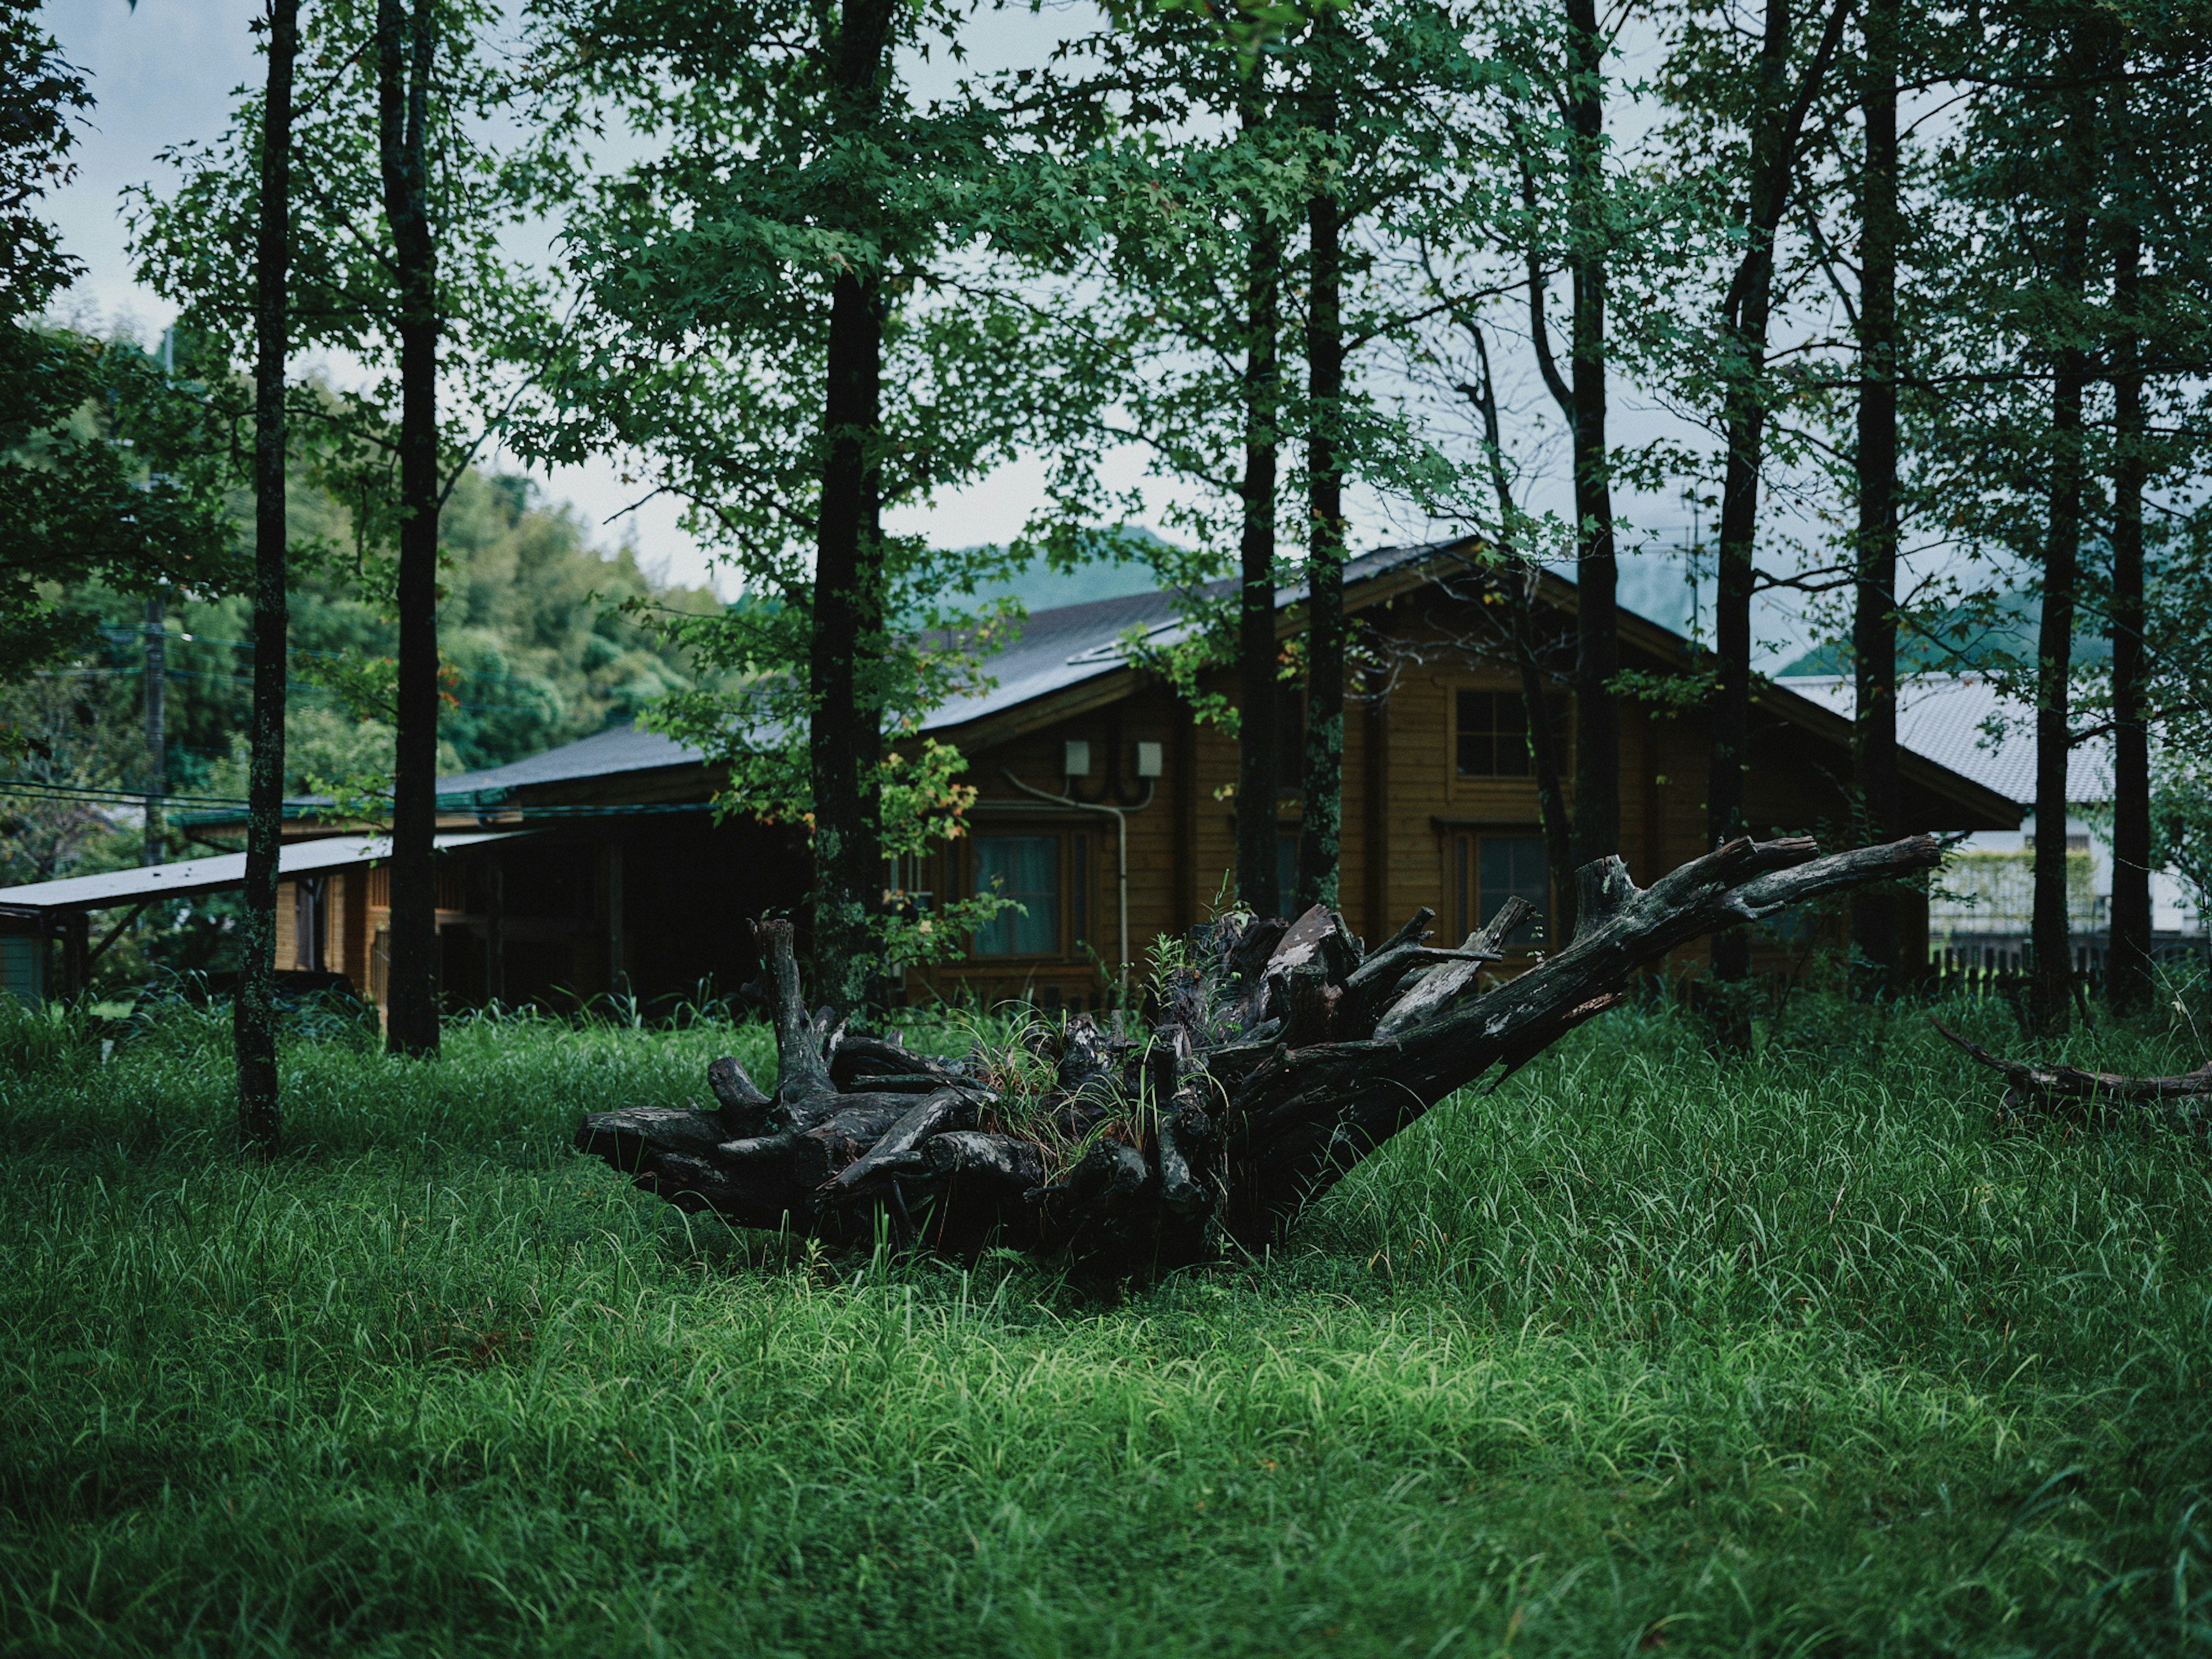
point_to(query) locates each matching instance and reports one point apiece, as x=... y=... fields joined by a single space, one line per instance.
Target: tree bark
x=1745 y=314
x=1597 y=629
x=1516 y=580
x=1321 y=829
x=253 y=1012
x=1874 y=621
x=1258 y=682
x=2067 y=1092
x=2128 y=960
x=405 y=47
x=2050 y=983
x=1282 y=1056
x=846 y=726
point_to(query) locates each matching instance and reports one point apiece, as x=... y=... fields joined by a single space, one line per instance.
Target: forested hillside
x=538 y=647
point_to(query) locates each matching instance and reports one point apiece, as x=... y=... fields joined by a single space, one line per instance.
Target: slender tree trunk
x=1874 y=622
x=1597 y=633
x=2127 y=964
x=1743 y=425
x=847 y=721
x=1745 y=314
x=1320 y=831
x=2050 y=991
x=254 y=1011
x=1259 y=684
x=1517 y=578
x=404 y=49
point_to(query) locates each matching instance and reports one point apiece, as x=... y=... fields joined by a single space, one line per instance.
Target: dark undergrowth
x=1648 y=1351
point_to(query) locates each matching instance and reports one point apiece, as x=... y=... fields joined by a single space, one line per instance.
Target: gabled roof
x=1070 y=658
x=1967 y=723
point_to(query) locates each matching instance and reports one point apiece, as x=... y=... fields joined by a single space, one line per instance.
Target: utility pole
x=157 y=739
x=155 y=686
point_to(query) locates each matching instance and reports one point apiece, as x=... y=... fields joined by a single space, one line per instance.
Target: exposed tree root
x=1282 y=1056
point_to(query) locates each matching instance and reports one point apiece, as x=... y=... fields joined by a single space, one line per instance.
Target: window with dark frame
x=1026 y=869
x=311 y=921
x=1490 y=867
x=1490 y=736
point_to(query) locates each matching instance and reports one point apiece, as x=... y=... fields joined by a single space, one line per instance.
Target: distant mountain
x=1959 y=640
x=1116 y=567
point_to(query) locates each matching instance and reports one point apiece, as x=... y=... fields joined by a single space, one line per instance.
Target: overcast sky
x=167 y=72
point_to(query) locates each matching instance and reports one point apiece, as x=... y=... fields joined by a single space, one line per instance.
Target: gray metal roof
x=213 y=875
x=1965 y=723
x=610 y=753
x=1064 y=646
x=1052 y=650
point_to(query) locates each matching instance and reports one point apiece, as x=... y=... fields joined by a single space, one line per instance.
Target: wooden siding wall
x=1403 y=800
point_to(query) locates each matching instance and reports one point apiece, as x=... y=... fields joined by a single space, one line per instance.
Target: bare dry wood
x=1281 y=1055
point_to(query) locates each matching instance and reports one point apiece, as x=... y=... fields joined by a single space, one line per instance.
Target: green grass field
x=1645 y=1353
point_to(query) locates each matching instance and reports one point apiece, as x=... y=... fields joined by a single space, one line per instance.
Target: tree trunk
x=1517 y=581
x=2127 y=963
x=2184 y=1103
x=1258 y=683
x=1874 y=622
x=2051 y=986
x=1320 y=831
x=1745 y=314
x=405 y=48
x=253 y=1012
x=1283 y=1056
x=846 y=726
x=1597 y=631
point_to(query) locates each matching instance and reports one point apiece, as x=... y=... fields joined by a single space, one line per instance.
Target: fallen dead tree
x=2067 y=1092
x=1282 y=1055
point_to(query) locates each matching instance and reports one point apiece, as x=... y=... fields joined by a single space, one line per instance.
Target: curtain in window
x=1026 y=869
x=1514 y=864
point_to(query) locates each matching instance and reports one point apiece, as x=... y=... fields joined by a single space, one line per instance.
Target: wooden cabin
x=1439 y=804
x=599 y=867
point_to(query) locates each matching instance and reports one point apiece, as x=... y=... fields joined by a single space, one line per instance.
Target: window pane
x=1078 y=889
x=1492 y=739
x=1514 y=864
x=1474 y=742
x=1026 y=869
x=1513 y=752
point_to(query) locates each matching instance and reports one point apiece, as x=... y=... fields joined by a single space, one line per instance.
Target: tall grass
x=1646 y=1351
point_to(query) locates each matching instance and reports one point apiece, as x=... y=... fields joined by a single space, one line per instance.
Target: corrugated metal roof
x=1069 y=644
x=1966 y=723
x=1052 y=649
x=603 y=754
x=213 y=875
x=1940 y=718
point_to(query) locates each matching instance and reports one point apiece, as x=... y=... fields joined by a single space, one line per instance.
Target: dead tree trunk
x=1286 y=1054
x=2184 y=1103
